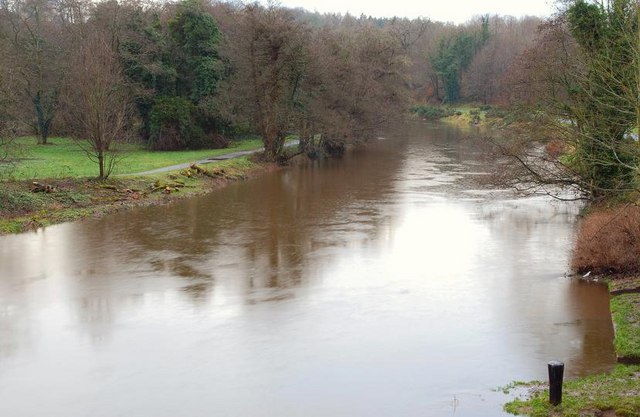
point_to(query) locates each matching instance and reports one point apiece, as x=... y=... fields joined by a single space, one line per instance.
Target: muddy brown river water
x=382 y=284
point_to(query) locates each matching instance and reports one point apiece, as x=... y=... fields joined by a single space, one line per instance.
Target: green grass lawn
x=64 y=158
x=626 y=317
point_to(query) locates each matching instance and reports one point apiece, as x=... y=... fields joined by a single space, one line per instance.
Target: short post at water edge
x=556 y=373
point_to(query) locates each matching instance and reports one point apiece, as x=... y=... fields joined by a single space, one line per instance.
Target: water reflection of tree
x=270 y=227
x=265 y=238
x=23 y=278
x=263 y=232
x=532 y=244
x=591 y=302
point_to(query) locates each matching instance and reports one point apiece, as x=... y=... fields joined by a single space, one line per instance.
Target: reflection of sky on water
x=381 y=285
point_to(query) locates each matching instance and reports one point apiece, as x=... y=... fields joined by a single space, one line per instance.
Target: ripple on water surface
x=388 y=283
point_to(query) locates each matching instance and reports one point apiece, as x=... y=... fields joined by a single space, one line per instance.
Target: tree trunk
x=44 y=118
x=44 y=131
x=101 y=164
x=273 y=141
x=37 y=104
x=273 y=148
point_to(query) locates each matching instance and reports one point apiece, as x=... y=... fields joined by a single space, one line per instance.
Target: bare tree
x=484 y=81
x=335 y=83
x=361 y=82
x=7 y=126
x=585 y=96
x=268 y=57
x=97 y=108
x=35 y=48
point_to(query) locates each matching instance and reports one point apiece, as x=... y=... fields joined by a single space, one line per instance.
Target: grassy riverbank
x=613 y=394
x=606 y=395
x=606 y=249
x=63 y=158
x=625 y=310
x=464 y=115
x=616 y=393
x=468 y=115
x=68 y=192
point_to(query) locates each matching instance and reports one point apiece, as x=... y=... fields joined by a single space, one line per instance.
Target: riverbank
x=50 y=184
x=65 y=158
x=465 y=115
x=605 y=252
x=607 y=395
x=30 y=205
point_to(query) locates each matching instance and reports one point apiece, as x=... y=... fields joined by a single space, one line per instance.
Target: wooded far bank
x=192 y=74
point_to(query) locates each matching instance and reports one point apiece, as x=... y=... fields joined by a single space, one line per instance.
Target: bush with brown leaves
x=609 y=241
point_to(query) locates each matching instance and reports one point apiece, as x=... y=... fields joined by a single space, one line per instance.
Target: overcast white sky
x=457 y=11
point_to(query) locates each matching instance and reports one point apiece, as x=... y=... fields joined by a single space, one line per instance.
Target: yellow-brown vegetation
x=609 y=241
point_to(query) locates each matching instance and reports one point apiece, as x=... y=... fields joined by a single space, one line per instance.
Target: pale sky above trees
x=457 y=11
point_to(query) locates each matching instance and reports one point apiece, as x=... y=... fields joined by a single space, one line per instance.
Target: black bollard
x=556 y=372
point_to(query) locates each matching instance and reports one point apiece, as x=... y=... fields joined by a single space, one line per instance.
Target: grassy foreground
x=606 y=244
x=63 y=158
x=607 y=395
x=613 y=394
x=625 y=309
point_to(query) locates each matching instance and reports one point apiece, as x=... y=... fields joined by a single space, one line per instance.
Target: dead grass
x=609 y=241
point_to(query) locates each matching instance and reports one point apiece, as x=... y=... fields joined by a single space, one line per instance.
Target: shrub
x=432 y=112
x=173 y=125
x=495 y=113
x=609 y=241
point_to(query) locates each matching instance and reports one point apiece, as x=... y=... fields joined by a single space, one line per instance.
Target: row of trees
x=191 y=74
x=471 y=62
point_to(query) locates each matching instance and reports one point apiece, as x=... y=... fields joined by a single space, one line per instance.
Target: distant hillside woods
x=192 y=74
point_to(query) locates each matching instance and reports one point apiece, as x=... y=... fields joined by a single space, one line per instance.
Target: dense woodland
x=193 y=74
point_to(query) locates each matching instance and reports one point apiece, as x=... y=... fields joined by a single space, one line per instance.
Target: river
x=386 y=283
